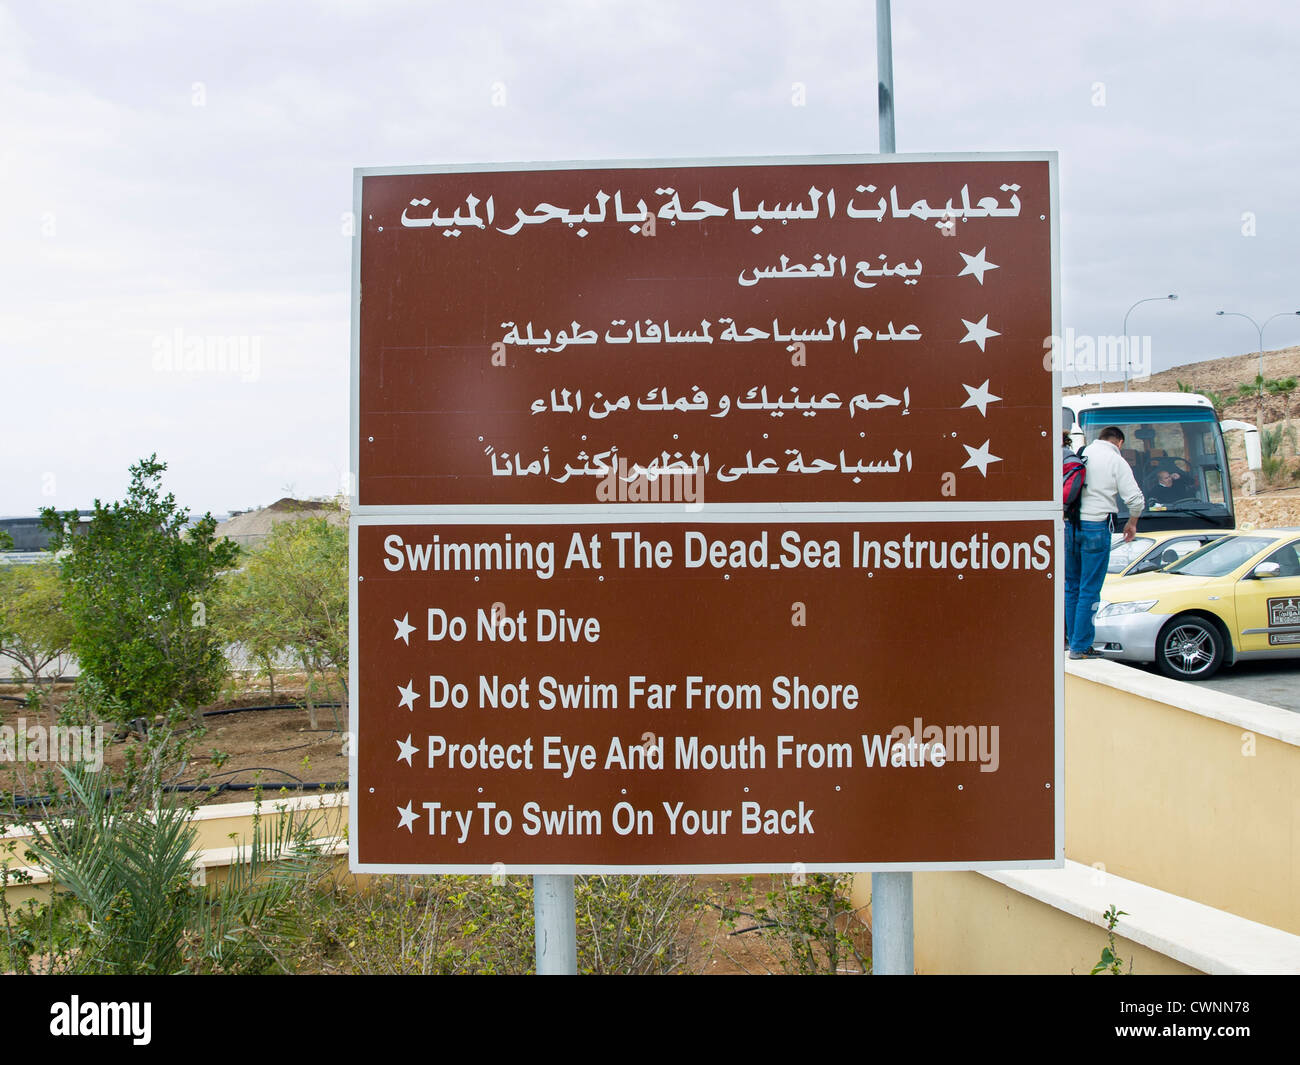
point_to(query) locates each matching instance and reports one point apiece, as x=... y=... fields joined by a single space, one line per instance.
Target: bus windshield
x=1178 y=460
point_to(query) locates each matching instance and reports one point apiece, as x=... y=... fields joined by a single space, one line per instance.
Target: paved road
x=1273 y=683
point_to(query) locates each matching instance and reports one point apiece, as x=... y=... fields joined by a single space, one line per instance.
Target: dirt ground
x=237 y=751
x=1272 y=510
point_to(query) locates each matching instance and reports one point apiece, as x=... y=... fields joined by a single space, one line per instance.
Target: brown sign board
x=706 y=516
x=674 y=695
x=811 y=332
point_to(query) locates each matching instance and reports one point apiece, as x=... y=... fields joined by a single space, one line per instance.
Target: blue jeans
x=1087 y=554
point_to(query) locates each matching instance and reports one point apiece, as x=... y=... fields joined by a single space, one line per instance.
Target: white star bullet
x=979 y=458
x=405 y=748
x=978 y=331
x=976 y=265
x=408 y=816
x=404 y=629
x=408 y=695
x=979 y=397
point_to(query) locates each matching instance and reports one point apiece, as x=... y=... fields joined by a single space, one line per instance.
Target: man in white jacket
x=1087 y=543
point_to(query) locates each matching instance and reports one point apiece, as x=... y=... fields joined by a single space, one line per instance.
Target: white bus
x=1174 y=443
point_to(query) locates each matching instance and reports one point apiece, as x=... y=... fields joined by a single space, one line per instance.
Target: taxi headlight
x=1114 y=610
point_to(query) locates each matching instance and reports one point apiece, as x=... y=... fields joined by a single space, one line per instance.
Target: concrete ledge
x=1198 y=936
x=210 y=858
x=1247 y=714
x=223 y=831
x=270 y=806
x=271 y=803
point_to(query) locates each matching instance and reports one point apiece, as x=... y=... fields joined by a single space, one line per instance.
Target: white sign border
x=554 y=518
x=354 y=406
x=709 y=512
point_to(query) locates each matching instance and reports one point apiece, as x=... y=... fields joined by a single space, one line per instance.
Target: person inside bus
x=1169 y=487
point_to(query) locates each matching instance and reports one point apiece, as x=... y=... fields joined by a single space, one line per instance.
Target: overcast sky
x=188 y=167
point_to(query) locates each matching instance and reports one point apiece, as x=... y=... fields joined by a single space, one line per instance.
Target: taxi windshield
x=1221 y=557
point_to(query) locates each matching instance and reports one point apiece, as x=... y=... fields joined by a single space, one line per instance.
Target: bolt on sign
x=706 y=516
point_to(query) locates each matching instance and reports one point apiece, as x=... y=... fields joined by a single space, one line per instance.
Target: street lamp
x=1259 y=329
x=1149 y=299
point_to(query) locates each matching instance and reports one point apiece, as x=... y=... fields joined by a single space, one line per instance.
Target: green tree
x=247 y=623
x=291 y=598
x=137 y=578
x=1255 y=390
x=6 y=541
x=1218 y=400
x=1284 y=387
x=1272 y=452
x=34 y=629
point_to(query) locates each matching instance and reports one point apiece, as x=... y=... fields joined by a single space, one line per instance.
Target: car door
x=1268 y=608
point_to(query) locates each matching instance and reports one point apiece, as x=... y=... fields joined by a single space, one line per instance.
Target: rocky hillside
x=1277 y=499
x=1223 y=376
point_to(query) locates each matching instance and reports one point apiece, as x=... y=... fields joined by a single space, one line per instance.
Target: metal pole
x=891 y=893
x=1262 y=327
x=1259 y=417
x=1126 y=352
x=1149 y=299
x=1259 y=332
x=885 y=77
x=891 y=924
x=555 y=934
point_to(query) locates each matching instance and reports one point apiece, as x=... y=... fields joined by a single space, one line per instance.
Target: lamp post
x=1149 y=299
x=1259 y=330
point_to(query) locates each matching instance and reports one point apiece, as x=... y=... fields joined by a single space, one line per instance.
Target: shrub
x=448 y=925
x=126 y=901
x=807 y=919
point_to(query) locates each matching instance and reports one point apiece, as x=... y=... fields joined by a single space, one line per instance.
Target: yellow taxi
x=1235 y=599
x=1149 y=551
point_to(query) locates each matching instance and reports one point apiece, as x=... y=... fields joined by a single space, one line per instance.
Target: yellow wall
x=1166 y=797
x=1171 y=796
x=221 y=830
x=967 y=923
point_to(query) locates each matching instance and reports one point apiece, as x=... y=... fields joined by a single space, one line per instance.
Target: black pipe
x=219 y=713
x=340 y=785
x=273 y=706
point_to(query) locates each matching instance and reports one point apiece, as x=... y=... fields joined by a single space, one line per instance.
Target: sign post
x=704 y=511
x=891 y=893
x=554 y=926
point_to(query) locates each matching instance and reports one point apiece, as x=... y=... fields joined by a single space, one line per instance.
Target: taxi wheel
x=1189 y=648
